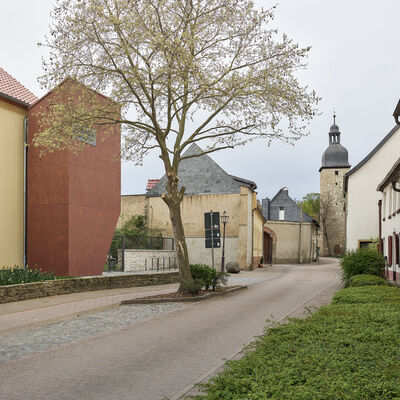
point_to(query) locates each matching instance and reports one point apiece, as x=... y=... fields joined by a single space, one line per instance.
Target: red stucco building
x=73 y=200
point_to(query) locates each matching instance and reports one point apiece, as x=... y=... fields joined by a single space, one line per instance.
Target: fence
x=141 y=253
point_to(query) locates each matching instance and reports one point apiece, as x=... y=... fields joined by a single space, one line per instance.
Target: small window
x=336 y=172
x=281 y=213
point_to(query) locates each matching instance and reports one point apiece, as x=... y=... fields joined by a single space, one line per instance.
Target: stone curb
x=183 y=299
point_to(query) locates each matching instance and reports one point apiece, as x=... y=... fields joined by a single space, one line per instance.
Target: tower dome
x=336 y=155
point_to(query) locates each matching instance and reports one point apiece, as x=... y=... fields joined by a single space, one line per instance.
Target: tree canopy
x=211 y=72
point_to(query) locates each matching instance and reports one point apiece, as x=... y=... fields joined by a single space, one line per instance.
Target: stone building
x=335 y=164
x=207 y=188
x=291 y=233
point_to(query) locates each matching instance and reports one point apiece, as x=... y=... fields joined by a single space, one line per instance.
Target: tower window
x=336 y=172
x=281 y=213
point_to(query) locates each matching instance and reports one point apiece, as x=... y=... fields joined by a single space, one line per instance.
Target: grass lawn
x=347 y=350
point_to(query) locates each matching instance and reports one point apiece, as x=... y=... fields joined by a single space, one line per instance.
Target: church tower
x=335 y=163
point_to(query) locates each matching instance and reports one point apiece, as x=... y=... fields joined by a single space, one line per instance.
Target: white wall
x=362 y=196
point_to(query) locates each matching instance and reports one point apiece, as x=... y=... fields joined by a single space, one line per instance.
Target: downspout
x=380 y=226
x=252 y=239
x=25 y=190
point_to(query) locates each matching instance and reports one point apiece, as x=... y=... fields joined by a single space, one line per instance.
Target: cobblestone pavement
x=25 y=343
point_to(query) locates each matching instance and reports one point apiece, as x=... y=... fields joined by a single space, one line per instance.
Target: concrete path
x=166 y=354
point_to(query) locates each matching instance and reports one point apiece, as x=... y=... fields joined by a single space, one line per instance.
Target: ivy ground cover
x=347 y=350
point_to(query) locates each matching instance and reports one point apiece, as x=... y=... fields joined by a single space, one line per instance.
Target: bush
x=363 y=261
x=192 y=288
x=209 y=277
x=342 y=352
x=15 y=275
x=368 y=295
x=366 y=280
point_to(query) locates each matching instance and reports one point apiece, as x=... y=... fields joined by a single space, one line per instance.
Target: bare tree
x=331 y=221
x=183 y=71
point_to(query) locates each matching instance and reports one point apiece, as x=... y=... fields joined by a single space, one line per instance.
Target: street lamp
x=224 y=220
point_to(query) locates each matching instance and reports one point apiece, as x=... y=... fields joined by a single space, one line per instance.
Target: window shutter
x=390 y=250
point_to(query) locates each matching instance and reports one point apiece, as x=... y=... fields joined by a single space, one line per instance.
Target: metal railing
x=122 y=242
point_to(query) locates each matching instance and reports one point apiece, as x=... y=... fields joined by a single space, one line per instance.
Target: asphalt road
x=166 y=354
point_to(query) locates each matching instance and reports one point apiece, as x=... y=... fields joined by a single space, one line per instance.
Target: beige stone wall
x=148 y=260
x=76 y=285
x=239 y=232
x=331 y=191
x=11 y=184
x=131 y=205
x=287 y=248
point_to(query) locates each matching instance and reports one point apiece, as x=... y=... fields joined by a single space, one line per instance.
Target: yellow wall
x=11 y=184
x=239 y=235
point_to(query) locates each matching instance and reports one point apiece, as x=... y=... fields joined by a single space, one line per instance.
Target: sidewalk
x=21 y=314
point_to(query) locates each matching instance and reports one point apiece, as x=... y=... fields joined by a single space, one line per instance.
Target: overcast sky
x=353 y=66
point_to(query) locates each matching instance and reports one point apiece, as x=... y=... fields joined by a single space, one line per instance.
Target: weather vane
x=334 y=116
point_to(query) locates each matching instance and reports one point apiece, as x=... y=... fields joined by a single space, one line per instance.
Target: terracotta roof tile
x=151 y=183
x=12 y=88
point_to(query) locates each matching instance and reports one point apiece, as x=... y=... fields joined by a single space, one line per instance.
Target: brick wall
x=64 y=286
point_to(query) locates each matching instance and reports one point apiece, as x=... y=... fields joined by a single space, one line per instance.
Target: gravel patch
x=22 y=344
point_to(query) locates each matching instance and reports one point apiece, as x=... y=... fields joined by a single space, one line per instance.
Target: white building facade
x=389 y=221
x=362 y=220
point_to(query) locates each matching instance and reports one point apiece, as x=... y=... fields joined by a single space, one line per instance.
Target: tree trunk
x=181 y=248
x=173 y=200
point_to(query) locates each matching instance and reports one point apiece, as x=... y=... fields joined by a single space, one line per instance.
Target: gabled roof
x=370 y=155
x=12 y=90
x=292 y=210
x=202 y=175
x=151 y=183
x=394 y=170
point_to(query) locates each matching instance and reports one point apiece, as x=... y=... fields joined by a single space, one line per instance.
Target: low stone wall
x=148 y=260
x=75 y=285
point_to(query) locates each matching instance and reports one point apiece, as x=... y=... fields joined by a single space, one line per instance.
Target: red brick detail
x=12 y=88
x=151 y=183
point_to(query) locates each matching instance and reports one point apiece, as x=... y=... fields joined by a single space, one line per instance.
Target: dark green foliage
x=209 y=277
x=15 y=275
x=136 y=235
x=347 y=350
x=192 y=287
x=366 y=280
x=363 y=261
x=311 y=205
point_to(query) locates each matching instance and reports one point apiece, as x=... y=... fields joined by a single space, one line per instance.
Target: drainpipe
x=25 y=190
x=300 y=233
x=380 y=226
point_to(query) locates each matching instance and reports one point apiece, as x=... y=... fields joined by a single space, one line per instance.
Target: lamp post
x=224 y=220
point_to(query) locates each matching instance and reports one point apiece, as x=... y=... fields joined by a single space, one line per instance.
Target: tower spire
x=334 y=116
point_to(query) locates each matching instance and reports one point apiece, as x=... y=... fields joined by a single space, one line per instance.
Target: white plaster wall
x=198 y=254
x=362 y=196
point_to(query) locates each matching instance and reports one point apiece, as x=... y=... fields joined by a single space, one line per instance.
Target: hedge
x=347 y=350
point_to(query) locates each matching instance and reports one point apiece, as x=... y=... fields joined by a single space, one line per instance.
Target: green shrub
x=366 y=280
x=192 y=288
x=342 y=352
x=363 y=261
x=368 y=295
x=15 y=275
x=209 y=277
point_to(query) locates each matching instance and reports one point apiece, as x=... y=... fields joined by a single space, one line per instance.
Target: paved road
x=160 y=352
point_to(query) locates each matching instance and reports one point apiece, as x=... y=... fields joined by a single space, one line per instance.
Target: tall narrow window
x=281 y=213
